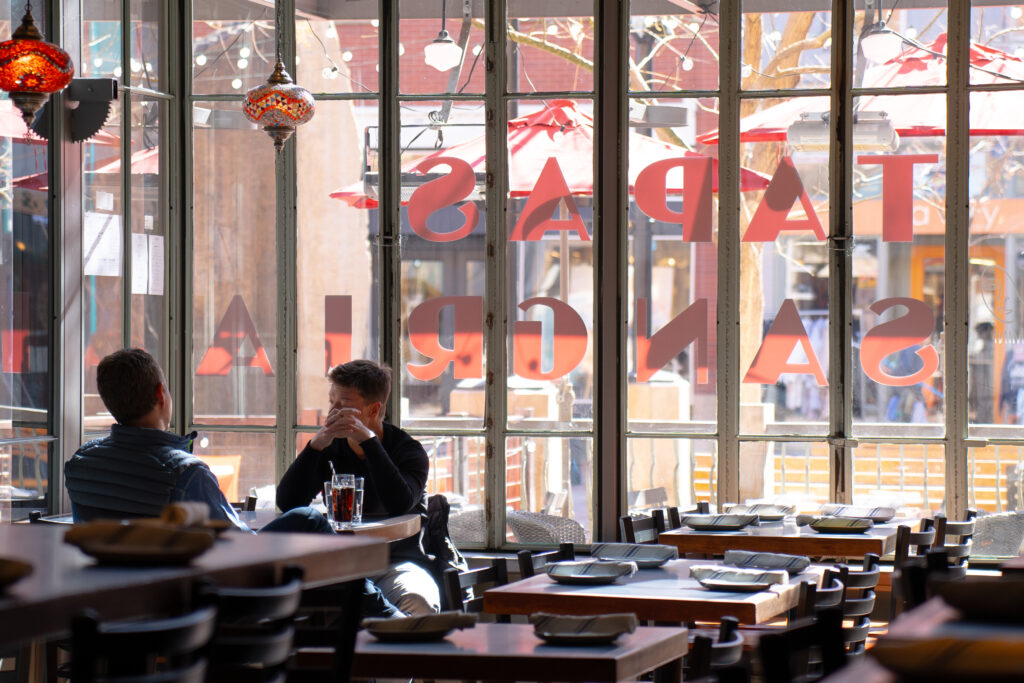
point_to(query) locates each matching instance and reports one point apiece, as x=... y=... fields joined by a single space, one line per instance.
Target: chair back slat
x=530 y=562
x=456 y=585
x=638 y=529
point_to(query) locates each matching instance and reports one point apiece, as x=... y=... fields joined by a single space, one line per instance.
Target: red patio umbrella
x=917 y=115
x=565 y=133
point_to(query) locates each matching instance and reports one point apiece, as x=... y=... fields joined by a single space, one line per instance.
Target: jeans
x=410 y=588
x=308 y=520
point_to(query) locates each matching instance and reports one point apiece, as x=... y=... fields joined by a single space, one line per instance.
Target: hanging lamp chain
x=279 y=75
x=27 y=30
x=444 y=15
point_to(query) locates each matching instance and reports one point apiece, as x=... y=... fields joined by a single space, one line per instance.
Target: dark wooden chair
x=247 y=505
x=909 y=544
x=785 y=655
x=675 y=517
x=859 y=603
x=461 y=587
x=956 y=539
x=148 y=651
x=813 y=600
x=254 y=635
x=709 y=655
x=325 y=632
x=639 y=529
x=530 y=562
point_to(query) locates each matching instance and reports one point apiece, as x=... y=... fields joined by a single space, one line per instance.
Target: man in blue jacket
x=356 y=439
x=141 y=467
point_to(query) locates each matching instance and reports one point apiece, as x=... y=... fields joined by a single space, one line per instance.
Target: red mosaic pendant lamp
x=31 y=68
x=279 y=105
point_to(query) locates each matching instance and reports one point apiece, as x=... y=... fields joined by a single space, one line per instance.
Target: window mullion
x=389 y=231
x=728 y=325
x=840 y=285
x=285 y=169
x=957 y=255
x=496 y=298
x=610 y=250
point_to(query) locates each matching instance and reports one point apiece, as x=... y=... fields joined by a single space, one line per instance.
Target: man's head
x=361 y=384
x=132 y=385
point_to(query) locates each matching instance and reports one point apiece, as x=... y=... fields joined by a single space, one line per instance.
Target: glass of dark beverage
x=343 y=490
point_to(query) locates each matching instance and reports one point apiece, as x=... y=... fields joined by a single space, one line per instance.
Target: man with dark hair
x=355 y=438
x=141 y=467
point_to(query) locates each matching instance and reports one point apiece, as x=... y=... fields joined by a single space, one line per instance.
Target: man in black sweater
x=355 y=438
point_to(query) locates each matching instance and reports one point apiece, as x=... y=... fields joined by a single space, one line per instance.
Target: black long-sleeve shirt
x=395 y=471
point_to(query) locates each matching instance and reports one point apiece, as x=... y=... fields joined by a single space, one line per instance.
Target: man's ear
x=161 y=392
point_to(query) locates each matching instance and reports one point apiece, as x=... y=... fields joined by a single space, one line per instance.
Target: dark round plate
x=733 y=586
x=420 y=636
x=577 y=638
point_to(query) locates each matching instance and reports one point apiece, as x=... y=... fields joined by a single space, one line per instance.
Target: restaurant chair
x=785 y=655
x=675 y=518
x=462 y=589
x=530 y=562
x=247 y=505
x=916 y=574
x=956 y=539
x=638 y=529
x=859 y=603
x=707 y=655
x=150 y=651
x=325 y=632
x=909 y=544
x=536 y=528
x=254 y=635
x=813 y=600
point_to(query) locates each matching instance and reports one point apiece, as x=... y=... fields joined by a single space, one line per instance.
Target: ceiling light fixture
x=31 y=68
x=880 y=43
x=279 y=105
x=443 y=53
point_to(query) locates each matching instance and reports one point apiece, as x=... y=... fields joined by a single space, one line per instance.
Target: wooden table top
x=387 y=528
x=512 y=652
x=933 y=642
x=664 y=594
x=1014 y=566
x=784 y=538
x=65 y=580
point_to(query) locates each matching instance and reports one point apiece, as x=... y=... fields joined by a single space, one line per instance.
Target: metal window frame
x=610 y=95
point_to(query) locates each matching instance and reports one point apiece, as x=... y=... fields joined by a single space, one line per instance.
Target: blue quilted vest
x=130 y=473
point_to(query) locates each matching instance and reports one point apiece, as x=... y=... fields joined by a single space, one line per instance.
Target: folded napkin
x=186 y=514
x=427 y=624
x=548 y=625
x=875 y=514
x=593 y=568
x=747 y=559
x=644 y=554
x=719 y=572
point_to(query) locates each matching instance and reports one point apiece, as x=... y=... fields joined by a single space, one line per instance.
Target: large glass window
x=481 y=278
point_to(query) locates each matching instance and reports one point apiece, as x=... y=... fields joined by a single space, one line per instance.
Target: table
x=511 y=652
x=665 y=594
x=933 y=641
x=388 y=528
x=784 y=538
x=1014 y=567
x=66 y=581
